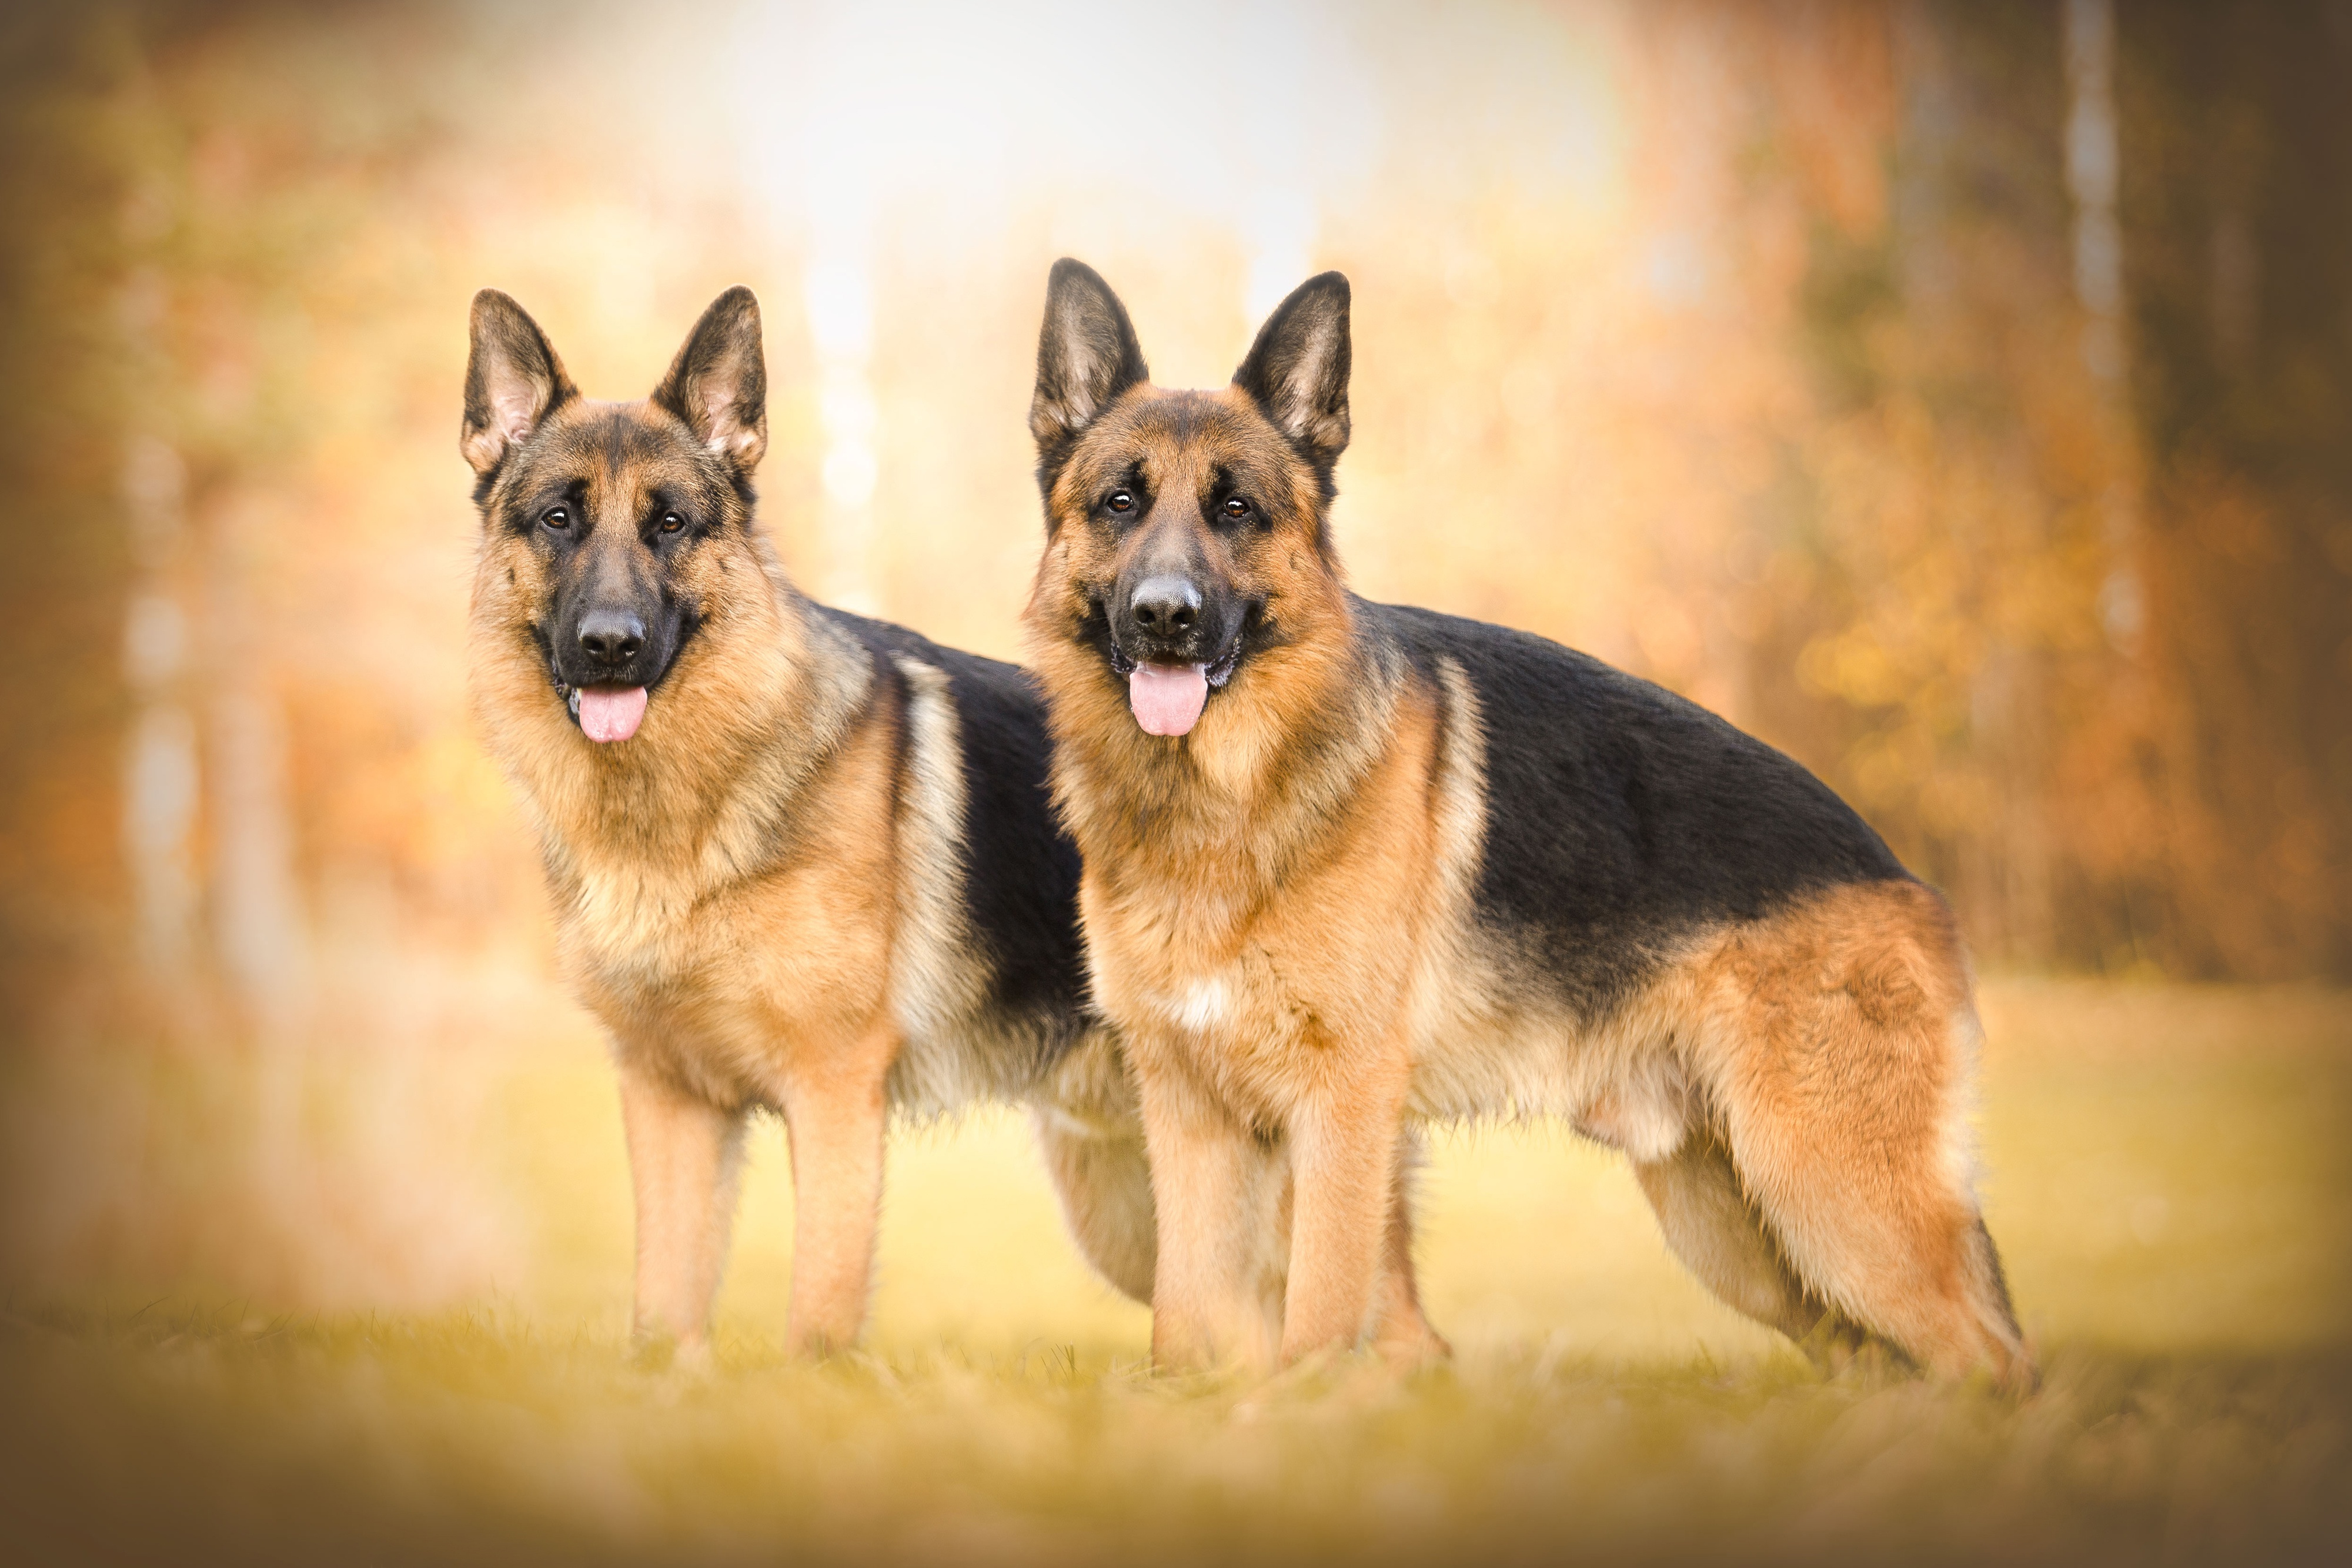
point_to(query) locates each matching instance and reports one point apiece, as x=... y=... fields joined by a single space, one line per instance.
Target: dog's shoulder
x=1020 y=870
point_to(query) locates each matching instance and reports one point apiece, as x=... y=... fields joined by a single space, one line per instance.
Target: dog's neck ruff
x=1285 y=764
x=749 y=711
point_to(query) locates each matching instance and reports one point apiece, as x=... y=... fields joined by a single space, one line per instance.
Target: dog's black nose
x=1165 y=606
x=610 y=637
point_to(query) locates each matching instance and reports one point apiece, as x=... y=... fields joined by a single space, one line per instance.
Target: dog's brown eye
x=672 y=522
x=1235 y=507
x=1121 y=501
x=557 y=518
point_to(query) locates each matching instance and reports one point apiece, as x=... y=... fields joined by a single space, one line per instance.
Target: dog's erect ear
x=719 y=383
x=1298 y=370
x=1087 y=356
x=513 y=381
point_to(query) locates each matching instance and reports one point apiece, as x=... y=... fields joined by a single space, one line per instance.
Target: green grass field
x=2167 y=1172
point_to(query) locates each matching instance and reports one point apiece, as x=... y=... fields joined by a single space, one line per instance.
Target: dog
x=1353 y=867
x=800 y=860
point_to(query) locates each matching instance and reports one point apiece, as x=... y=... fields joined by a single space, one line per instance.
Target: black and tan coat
x=1352 y=866
x=800 y=861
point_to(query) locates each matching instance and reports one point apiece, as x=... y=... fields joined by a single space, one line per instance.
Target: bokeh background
x=1957 y=395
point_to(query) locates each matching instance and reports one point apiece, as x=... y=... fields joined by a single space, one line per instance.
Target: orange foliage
x=1686 y=334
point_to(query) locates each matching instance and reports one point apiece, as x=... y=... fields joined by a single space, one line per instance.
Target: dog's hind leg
x=1843 y=1101
x=684 y=1154
x=1401 y=1331
x=1716 y=1232
x=1103 y=1181
x=1090 y=1133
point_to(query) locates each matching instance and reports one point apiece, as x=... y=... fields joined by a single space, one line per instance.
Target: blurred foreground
x=2165 y=1176
x=1952 y=394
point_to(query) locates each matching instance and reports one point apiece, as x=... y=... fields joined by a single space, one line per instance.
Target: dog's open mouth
x=610 y=712
x=1166 y=699
x=604 y=713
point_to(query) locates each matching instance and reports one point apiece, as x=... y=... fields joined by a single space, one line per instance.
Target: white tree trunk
x=2094 y=180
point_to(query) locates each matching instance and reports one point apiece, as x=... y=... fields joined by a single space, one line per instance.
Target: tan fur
x=1242 y=1013
x=758 y=894
x=722 y=887
x=1278 y=912
x=1794 y=1095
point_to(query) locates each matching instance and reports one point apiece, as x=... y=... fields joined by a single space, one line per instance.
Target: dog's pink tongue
x=1167 y=698
x=611 y=713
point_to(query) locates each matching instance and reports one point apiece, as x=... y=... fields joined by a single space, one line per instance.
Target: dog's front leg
x=1217 y=1196
x=1345 y=1139
x=836 y=1113
x=684 y=1152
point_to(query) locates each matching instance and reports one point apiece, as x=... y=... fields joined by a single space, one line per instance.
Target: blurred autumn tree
x=1955 y=394
x=63 y=891
x=2237 y=213
x=1948 y=499
x=2078 y=602
x=2052 y=573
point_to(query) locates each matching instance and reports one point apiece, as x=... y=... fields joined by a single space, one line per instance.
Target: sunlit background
x=1957 y=395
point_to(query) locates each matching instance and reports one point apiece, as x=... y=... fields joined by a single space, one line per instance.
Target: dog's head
x=610 y=519
x=1186 y=530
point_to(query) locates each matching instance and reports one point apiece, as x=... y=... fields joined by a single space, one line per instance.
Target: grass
x=2167 y=1175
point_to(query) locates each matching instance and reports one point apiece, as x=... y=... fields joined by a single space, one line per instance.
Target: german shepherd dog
x=800 y=860
x=1350 y=866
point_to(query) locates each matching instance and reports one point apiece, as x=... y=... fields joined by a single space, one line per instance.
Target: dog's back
x=1620 y=816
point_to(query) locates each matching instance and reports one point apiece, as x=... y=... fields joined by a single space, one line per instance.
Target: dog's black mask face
x=616 y=503
x=1188 y=527
x=617 y=612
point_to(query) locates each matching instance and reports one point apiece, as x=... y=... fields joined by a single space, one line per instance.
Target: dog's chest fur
x=719 y=973
x=770 y=874
x=1266 y=943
